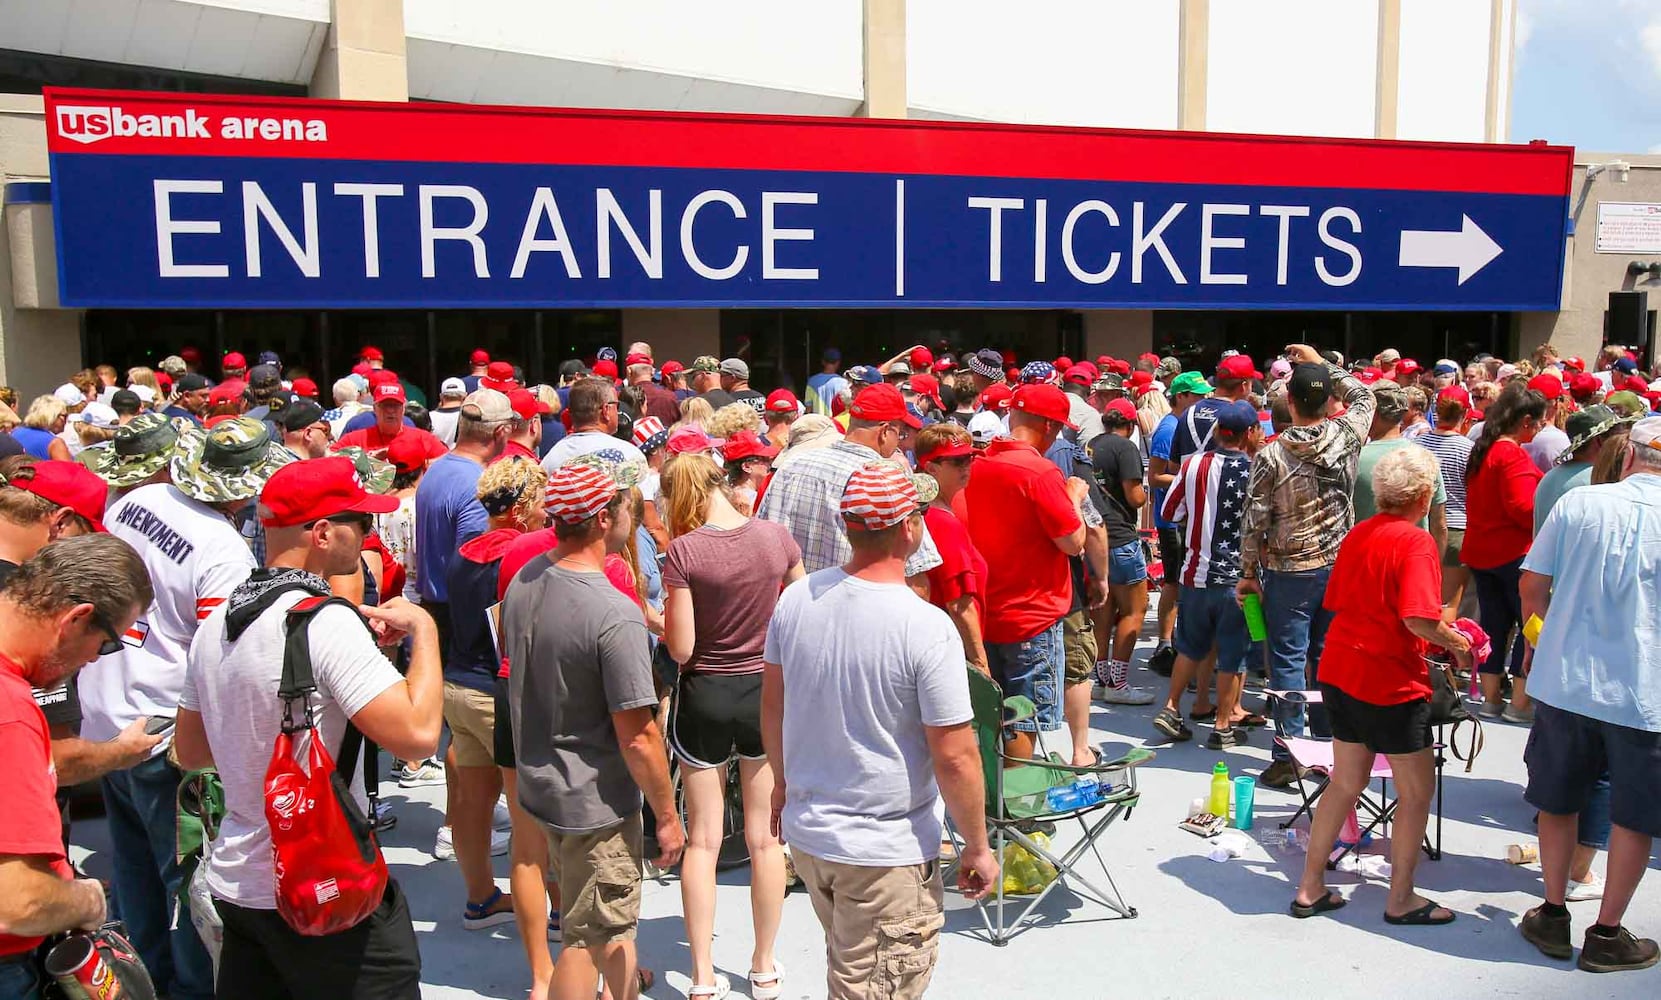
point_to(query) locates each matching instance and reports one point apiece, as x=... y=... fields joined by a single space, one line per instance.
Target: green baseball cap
x=1192 y=382
x=705 y=363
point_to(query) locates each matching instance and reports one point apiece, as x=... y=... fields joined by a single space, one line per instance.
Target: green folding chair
x=1017 y=793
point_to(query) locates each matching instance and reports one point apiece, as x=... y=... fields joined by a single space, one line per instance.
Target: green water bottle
x=1218 y=805
x=1256 y=627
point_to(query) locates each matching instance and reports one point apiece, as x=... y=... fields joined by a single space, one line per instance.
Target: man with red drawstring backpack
x=315 y=513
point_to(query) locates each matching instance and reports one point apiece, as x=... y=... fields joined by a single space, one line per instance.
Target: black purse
x=1447 y=708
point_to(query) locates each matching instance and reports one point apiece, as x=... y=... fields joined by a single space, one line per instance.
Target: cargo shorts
x=599 y=883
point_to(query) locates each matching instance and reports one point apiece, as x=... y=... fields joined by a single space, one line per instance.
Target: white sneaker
x=1126 y=695
x=444 y=848
x=1580 y=892
x=501 y=819
x=427 y=772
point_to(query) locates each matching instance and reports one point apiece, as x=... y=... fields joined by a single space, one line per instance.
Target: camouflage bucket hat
x=138 y=451
x=231 y=461
x=375 y=474
x=623 y=472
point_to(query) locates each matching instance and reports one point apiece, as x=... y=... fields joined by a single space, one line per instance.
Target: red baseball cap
x=1104 y=361
x=996 y=396
x=1407 y=366
x=1044 y=400
x=362 y=368
x=882 y=402
x=637 y=359
x=407 y=452
x=1583 y=386
x=1236 y=366
x=479 y=357
x=1078 y=374
x=1063 y=363
x=190 y=354
x=1122 y=406
x=948 y=449
x=671 y=368
x=1149 y=357
x=782 y=401
x=1012 y=374
x=164 y=380
x=921 y=359
x=944 y=363
x=747 y=444
x=499 y=376
x=1119 y=365
x=371 y=353
x=389 y=390
x=1549 y=386
x=1458 y=394
x=603 y=368
x=1575 y=364
x=1367 y=376
x=302 y=492
x=1141 y=378
x=380 y=376
x=234 y=362
x=928 y=387
x=67 y=484
x=226 y=392
x=526 y=405
x=305 y=387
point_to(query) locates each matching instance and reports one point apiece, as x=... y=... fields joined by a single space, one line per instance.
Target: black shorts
x=1566 y=754
x=1171 y=554
x=504 y=726
x=1386 y=729
x=715 y=716
x=262 y=957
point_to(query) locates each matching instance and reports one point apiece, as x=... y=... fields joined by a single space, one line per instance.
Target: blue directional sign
x=190 y=201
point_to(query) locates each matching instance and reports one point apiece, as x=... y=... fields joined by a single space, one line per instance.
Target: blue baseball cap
x=832 y=354
x=1625 y=365
x=1236 y=416
x=864 y=374
x=1445 y=369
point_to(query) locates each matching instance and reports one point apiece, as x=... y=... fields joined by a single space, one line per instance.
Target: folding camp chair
x=1316 y=757
x=1016 y=800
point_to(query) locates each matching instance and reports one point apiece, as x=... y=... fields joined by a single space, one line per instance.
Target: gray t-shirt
x=579 y=652
x=866 y=666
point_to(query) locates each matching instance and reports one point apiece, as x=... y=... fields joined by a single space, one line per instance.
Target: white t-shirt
x=859 y=778
x=234 y=687
x=397 y=531
x=588 y=443
x=195 y=558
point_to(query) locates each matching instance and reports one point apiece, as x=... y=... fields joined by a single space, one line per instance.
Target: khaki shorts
x=471 y=716
x=882 y=926
x=599 y=883
x=1078 y=639
x=1450 y=551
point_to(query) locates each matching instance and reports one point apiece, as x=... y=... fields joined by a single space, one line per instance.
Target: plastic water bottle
x=1218 y=805
x=1063 y=798
x=1089 y=790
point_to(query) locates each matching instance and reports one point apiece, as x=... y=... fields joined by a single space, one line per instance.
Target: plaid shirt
x=806 y=497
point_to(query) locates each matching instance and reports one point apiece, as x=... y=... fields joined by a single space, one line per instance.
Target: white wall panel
x=1059 y=62
x=1443 y=88
x=1293 y=67
x=815 y=48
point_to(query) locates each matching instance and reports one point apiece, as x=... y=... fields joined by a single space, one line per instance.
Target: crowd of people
x=629 y=592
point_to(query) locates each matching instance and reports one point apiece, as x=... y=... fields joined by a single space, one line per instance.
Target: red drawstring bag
x=330 y=873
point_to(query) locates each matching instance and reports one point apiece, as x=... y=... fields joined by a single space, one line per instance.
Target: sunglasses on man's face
x=112 y=644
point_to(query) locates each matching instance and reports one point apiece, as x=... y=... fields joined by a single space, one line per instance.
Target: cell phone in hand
x=158 y=724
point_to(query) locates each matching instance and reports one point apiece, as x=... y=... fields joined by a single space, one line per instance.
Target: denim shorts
x=1207 y=615
x=1568 y=754
x=1126 y=564
x=1033 y=669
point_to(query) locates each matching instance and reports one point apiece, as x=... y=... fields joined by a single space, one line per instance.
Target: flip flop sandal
x=767 y=985
x=643 y=978
x=1095 y=758
x=1422 y=917
x=1326 y=904
x=1251 y=720
x=1203 y=716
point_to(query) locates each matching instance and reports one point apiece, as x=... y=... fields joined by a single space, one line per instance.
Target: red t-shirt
x=962 y=568
x=28 y=783
x=1387 y=569
x=1017 y=504
x=534 y=543
x=371 y=440
x=1499 y=507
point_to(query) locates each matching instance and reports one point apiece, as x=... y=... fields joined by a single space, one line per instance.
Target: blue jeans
x=141 y=804
x=1297 y=627
x=1032 y=668
x=20 y=981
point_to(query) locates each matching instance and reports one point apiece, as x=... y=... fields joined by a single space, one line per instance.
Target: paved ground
x=1205 y=928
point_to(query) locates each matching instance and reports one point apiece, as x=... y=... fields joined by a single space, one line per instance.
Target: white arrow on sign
x=1469 y=249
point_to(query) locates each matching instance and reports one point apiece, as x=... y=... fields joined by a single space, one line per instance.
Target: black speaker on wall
x=1629 y=321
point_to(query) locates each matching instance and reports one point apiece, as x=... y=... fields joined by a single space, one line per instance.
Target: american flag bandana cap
x=579 y=491
x=879 y=495
x=1037 y=371
x=647 y=428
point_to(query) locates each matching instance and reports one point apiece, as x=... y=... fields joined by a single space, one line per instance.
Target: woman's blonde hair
x=731 y=419
x=1150 y=410
x=1402 y=477
x=144 y=376
x=515 y=480
x=44 y=411
x=685 y=485
x=91 y=434
x=696 y=410
x=631 y=549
